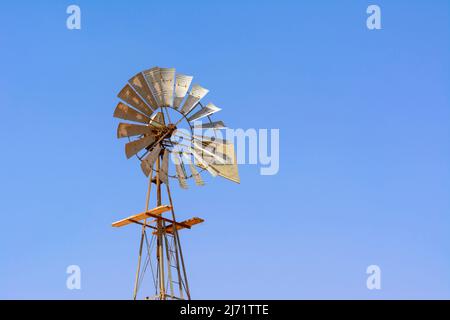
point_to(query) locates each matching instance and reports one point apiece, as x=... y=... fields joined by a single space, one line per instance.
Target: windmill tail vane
x=162 y=110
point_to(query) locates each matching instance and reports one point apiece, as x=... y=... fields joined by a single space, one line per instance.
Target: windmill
x=172 y=134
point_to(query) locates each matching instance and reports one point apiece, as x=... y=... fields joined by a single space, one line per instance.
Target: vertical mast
x=159 y=250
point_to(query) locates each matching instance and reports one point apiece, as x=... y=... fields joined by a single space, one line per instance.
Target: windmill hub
x=171 y=127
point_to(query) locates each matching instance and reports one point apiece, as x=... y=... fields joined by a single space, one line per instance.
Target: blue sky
x=364 y=121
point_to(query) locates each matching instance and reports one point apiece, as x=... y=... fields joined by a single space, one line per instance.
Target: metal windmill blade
x=157 y=120
x=216 y=158
x=219 y=155
x=167 y=83
x=197 y=177
x=181 y=175
x=128 y=95
x=134 y=147
x=182 y=83
x=228 y=169
x=153 y=79
x=197 y=93
x=140 y=85
x=201 y=162
x=211 y=125
x=212 y=144
x=124 y=112
x=204 y=112
x=206 y=140
x=148 y=162
x=130 y=130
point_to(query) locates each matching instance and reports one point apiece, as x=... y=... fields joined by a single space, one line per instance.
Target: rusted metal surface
x=128 y=95
x=125 y=112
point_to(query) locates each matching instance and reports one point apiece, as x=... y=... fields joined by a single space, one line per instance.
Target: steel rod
x=179 y=245
x=136 y=281
x=160 y=252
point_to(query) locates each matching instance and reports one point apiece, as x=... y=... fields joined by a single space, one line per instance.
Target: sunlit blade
x=198 y=179
x=153 y=78
x=134 y=147
x=149 y=160
x=218 y=149
x=211 y=125
x=128 y=95
x=197 y=93
x=208 y=154
x=157 y=120
x=209 y=140
x=206 y=111
x=202 y=163
x=180 y=175
x=140 y=85
x=164 y=169
x=182 y=84
x=130 y=130
x=230 y=169
x=167 y=85
x=125 y=112
x=225 y=149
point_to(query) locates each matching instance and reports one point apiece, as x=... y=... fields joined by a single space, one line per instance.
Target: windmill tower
x=174 y=138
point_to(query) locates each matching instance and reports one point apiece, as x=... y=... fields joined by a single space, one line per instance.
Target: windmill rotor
x=163 y=108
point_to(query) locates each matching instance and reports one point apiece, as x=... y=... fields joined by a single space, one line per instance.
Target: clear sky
x=364 y=121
